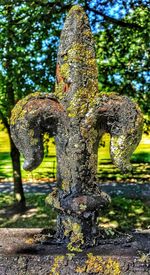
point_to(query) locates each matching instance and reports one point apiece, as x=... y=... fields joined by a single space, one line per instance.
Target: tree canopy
x=29 y=38
x=28 y=41
x=123 y=58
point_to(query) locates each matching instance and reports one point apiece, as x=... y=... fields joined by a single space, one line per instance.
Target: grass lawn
x=106 y=170
x=123 y=214
x=38 y=214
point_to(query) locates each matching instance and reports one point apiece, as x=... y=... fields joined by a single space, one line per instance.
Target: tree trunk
x=10 y=93
x=15 y=157
x=18 y=188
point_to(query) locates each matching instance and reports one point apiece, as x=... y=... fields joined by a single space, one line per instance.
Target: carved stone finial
x=77 y=116
x=77 y=73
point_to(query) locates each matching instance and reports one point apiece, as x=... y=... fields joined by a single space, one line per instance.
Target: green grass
x=46 y=170
x=37 y=215
x=126 y=214
x=106 y=170
x=123 y=214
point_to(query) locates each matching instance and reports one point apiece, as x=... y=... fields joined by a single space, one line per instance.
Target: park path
x=29 y=187
x=129 y=190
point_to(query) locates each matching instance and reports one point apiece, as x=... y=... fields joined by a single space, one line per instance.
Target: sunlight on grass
x=122 y=214
x=125 y=214
x=143 y=150
x=5 y=200
x=105 y=169
x=37 y=215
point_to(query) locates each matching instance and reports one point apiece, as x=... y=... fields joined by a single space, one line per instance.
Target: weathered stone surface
x=22 y=252
x=77 y=116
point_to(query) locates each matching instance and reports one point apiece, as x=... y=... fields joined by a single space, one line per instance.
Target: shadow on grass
x=37 y=214
x=125 y=214
x=122 y=214
x=143 y=157
x=46 y=170
x=109 y=172
x=5 y=156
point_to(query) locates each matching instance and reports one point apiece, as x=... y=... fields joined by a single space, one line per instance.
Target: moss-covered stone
x=73 y=230
x=97 y=265
x=53 y=200
x=77 y=116
x=18 y=112
x=56 y=267
x=64 y=70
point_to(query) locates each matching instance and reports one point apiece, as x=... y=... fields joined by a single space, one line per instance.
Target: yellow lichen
x=56 y=267
x=53 y=199
x=76 y=8
x=70 y=256
x=29 y=241
x=64 y=70
x=81 y=103
x=97 y=265
x=33 y=140
x=80 y=269
x=79 y=59
x=74 y=232
x=94 y=263
x=80 y=54
x=145 y=258
x=59 y=87
x=87 y=33
x=82 y=207
x=65 y=186
x=18 y=113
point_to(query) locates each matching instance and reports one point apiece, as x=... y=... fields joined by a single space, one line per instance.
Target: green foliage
x=144 y=156
x=122 y=55
x=29 y=38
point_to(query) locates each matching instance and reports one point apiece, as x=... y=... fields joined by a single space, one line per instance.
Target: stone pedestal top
x=25 y=251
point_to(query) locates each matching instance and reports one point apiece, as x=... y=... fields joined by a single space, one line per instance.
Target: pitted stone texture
x=44 y=265
x=22 y=254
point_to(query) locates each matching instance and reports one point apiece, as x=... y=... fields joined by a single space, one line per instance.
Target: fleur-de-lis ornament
x=77 y=115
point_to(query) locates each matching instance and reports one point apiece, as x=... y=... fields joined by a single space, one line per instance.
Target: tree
x=8 y=99
x=122 y=55
x=27 y=52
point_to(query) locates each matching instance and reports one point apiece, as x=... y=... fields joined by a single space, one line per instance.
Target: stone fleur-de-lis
x=77 y=115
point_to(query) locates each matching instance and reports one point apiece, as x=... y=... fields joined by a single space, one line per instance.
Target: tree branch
x=114 y=20
x=59 y=7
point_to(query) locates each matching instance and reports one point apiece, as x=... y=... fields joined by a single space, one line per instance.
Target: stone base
x=24 y=252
